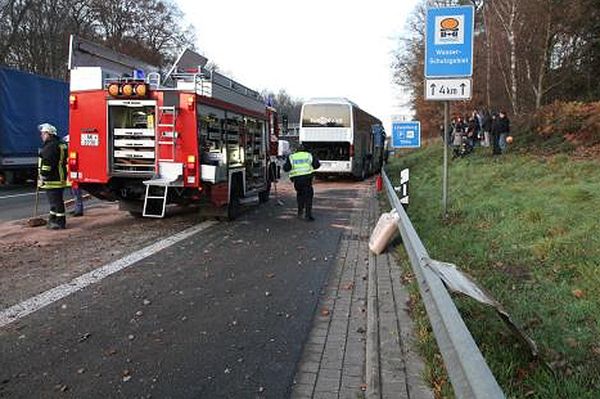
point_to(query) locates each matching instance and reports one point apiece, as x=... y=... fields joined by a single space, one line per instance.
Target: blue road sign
x=449 y=42
x=406 y=134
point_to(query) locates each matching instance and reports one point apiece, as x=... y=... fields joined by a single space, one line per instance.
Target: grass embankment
x=527 y=229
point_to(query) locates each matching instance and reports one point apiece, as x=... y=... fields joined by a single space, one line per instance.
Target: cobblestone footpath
x=361 y=344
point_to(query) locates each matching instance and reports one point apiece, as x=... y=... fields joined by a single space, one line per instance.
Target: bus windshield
x=326 y=115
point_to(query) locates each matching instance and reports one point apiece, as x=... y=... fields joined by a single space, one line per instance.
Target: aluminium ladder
x=170 y=174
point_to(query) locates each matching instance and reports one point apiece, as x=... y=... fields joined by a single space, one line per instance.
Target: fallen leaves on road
x=84 y=337
x=61 y=387
x=270 y=275
x=110 y=352
x=126 y=375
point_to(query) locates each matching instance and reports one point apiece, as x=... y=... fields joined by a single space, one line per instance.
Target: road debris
x=84 y=337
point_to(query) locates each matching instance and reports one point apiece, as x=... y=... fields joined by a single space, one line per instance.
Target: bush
x=574 y=122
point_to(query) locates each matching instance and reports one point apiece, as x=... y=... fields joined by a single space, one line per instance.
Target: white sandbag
x=385 y=230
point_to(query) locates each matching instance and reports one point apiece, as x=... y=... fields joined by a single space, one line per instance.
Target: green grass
x=527 y=228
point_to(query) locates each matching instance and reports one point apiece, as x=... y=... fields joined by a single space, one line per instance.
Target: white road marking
x=15 y=195
x=44 y=299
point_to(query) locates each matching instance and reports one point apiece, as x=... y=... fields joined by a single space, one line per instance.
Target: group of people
x=52 y=176
x=479 y=129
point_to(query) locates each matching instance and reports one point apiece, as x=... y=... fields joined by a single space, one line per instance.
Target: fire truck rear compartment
x=132 y=140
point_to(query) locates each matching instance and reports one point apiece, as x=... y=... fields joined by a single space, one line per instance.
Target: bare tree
x=34 y=34
x=507 y=13
x=12 y=14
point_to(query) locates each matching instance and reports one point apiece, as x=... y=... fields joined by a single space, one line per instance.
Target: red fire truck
x=190 y=136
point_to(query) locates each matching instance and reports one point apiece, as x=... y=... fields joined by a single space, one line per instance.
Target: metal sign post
x=448 y=66
x=445 y=171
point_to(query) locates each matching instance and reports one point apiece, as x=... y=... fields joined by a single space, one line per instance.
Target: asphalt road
x=222 y=314
x=18 y=202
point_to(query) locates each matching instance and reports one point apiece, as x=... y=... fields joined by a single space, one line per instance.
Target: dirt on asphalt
x=35 y=259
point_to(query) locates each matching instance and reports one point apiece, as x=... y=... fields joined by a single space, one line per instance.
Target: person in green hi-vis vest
x=302 y=165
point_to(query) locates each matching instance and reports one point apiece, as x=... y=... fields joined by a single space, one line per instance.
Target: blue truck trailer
x=27 y=100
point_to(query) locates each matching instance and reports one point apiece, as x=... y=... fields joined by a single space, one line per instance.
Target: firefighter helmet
x=47 y=128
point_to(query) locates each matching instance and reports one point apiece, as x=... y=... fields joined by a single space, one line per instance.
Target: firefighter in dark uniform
x=52 y=174
x=301 y=165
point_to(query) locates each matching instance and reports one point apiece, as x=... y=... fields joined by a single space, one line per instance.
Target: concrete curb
x=372 y=371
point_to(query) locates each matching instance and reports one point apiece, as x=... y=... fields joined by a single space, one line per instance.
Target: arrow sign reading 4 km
x=447 y=89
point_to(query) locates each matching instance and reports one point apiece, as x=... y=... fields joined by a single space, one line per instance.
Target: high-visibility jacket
x=52 y=164
x=301 y=164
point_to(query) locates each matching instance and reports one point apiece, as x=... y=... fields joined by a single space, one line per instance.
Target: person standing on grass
x=473 y=131
x=486 y=126
x=495 y=135
x=459 y=130
x=503 y=130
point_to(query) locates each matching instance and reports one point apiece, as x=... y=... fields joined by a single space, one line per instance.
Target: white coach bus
x=346 y=139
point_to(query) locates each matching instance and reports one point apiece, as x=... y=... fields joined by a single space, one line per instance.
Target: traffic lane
x=34 y=260
x=222 y=314
x=18 y=202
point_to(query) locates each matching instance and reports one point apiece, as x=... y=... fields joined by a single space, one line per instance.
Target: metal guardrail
x=469 y=373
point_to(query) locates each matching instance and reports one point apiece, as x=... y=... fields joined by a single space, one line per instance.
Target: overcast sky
x=310 y=48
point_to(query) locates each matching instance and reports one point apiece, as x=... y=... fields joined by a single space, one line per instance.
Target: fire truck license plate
x=89 y=140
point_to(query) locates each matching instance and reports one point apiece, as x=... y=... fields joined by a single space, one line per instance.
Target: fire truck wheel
x=263 y=196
